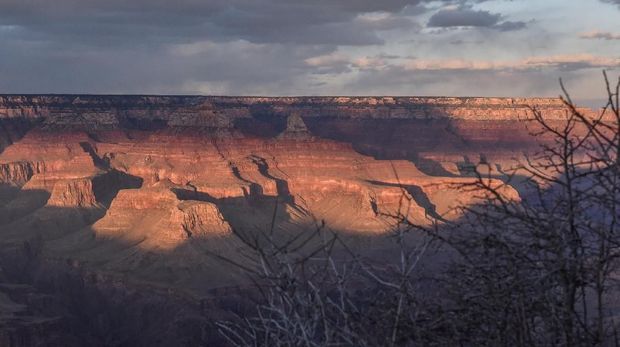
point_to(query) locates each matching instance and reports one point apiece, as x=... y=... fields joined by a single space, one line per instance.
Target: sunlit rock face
x=154 y=186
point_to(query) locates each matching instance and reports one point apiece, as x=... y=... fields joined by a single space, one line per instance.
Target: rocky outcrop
x=18 y=173
x=200 y=219
x=73 y=193
x=158 y=219
x=295 y=128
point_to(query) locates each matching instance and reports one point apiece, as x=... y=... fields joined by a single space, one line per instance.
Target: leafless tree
x=316 y=291
x=536 y=271
x=541 y=270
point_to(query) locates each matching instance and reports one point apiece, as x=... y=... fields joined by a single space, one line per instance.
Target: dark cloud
x=464 y=16
x=273 y=21
x=510 y=26
x=458 y=17
x=163 y=46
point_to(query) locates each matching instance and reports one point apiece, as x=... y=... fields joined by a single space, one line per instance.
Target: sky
x=309 y=47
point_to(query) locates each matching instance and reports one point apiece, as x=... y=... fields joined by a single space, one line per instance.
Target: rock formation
x=145 y=194
x=295 y=128
x=152 y=186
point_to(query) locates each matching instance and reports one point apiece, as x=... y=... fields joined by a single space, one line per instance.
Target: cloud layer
x=278 y=47
x=600 y=35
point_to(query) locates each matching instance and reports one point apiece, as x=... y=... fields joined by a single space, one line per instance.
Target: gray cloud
x=464 y=16
x=510 y=26
x=237 y=67
x=182 y=46
x=273 y=21
x=266 y=47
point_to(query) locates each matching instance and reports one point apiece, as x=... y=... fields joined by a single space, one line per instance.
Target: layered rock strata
x=155 y=186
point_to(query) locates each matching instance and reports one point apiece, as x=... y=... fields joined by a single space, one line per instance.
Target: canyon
x=147 y=193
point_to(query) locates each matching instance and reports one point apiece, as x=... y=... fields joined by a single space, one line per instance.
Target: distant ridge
x=193 y=110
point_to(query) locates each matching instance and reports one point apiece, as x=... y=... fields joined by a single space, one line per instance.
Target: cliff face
x=154 y=186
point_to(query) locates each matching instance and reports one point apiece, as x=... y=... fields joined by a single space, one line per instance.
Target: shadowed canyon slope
x=149 y=188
